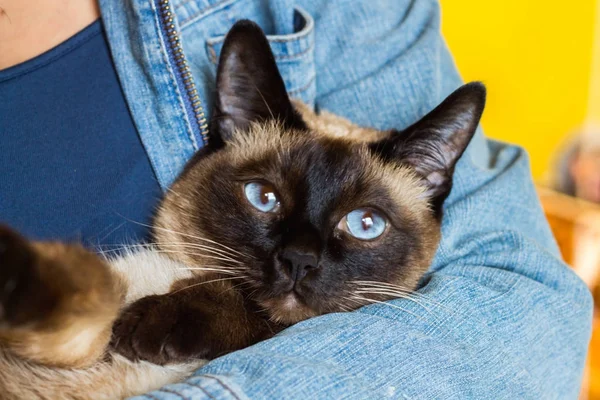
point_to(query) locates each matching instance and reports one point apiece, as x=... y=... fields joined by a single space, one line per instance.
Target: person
x=503 y=317
x=577 y=170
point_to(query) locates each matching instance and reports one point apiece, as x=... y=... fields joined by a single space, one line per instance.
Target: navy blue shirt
x=72 y=165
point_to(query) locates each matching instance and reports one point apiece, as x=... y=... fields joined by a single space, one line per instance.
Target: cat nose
x=299 y=262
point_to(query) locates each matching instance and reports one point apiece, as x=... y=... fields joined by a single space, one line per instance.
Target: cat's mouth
x=288 y=308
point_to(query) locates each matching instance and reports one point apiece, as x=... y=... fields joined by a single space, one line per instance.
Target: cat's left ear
x=433 y=145
x=249 y=86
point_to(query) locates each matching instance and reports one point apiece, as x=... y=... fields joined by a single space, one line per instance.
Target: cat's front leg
x=23 y=297
x=197 y=319
x=57 y=301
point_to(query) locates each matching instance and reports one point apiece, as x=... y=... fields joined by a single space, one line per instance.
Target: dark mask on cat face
x=303 y=220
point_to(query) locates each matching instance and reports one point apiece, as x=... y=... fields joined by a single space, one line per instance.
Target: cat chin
x=287 y=309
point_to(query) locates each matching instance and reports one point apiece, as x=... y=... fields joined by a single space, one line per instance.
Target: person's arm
x=500 y=316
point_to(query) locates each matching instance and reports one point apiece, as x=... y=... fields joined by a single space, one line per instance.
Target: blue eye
x=262 y=196
x=363 y=224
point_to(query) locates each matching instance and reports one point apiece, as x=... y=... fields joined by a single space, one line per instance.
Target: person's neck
x=30 y=27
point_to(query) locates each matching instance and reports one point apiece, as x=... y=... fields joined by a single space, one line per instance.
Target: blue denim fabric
x=505 y=318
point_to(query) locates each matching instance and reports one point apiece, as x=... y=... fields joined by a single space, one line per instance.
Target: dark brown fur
x=199 y=318
x=59 y=302
x=49 y=292
x=260 y=136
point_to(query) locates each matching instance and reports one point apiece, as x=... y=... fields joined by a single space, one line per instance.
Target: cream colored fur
x=144 y=272
x=147 y=272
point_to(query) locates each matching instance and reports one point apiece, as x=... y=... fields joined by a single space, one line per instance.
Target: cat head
x=306 y=222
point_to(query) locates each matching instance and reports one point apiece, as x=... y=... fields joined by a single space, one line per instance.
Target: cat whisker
x=378 y=283
x=219 y=266
x=191 y=236
x=252 y=293
x=208 y=249
x=414 y=296
x=344 y=307
x=394 y=295
x=393 y=289
x=387 y=285
x=235 y=286
x=367 y=300
x=383 y=286
x=202 y=239
x=208 y=256
x=216 y=255
x=206 y=283
x=119 y=248
x=264 y=310
x=388 y=289
x=222 y=248
x=107 y=253
x=157 y=246
x=219 y=270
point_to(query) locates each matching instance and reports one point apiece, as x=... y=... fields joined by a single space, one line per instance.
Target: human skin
x=29 y=28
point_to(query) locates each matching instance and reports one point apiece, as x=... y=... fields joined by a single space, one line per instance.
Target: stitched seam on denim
x=203 y=13
x=293 y=38
x=66 y=51
x=307 y=30
x=212 y=54
x=300 y=35
x=303 y=88
x=199 y=387
x=165 y=390
x=296 y=55
x=224 y=386
x=214 y=59
x=184 y=2
x=163 y=51
x=227 y=11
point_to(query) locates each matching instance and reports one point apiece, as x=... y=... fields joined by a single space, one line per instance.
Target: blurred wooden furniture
x=576 y=226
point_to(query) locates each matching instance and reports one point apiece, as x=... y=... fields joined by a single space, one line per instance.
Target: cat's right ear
x=249 y=86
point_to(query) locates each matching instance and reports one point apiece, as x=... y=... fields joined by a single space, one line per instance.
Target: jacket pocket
x=294 y=54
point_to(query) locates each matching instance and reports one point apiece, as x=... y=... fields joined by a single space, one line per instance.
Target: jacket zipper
x=193 y=105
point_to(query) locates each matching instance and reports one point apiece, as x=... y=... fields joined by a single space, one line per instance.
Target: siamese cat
x=285 y=215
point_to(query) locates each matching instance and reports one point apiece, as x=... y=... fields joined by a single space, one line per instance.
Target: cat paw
x=151 y=329
x=17 y=269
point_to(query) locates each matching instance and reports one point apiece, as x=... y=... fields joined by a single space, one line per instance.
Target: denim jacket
x=503 y=316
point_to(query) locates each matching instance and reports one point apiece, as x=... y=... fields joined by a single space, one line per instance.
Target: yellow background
x=535 y=58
